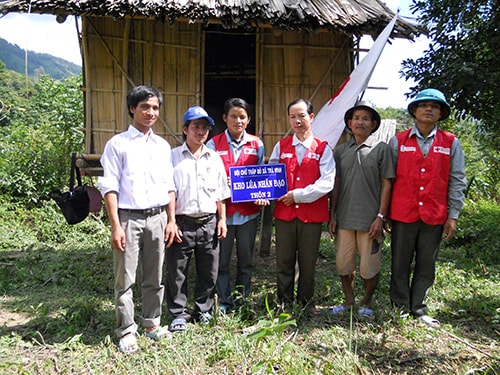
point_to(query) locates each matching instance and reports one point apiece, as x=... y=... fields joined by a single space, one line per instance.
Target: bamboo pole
x=89 y=157
x=149 y=51
x=303 y=62
x=125 y=49
x=260 y=83
x=87 y=89
x=201 y=87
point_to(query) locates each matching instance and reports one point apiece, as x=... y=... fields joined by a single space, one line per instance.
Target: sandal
x=365 y=312
x=178 y=324
x=205 y=318
x=337 y=310
x=128 y=343
x=157 y=333
x=429 y=321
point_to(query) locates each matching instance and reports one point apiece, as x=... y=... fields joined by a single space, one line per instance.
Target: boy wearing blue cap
x=427 y=197
x=200 y=213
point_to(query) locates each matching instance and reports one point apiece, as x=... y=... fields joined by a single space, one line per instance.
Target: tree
x=402 y=117
x=13 y=96
x=38 y=137
x=462 y=58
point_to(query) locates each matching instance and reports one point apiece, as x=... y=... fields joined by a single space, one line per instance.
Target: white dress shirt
x=138 y=168
x=200 y=183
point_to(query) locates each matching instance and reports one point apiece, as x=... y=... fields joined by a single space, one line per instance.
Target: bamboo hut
x=268 y=52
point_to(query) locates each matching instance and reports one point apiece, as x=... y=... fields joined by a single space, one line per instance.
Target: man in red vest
x=299 y=214
x=427 y=197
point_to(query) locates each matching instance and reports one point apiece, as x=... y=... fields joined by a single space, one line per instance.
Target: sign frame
x=261 y=181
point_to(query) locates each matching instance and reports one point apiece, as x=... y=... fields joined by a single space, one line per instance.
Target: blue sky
x=41 y=33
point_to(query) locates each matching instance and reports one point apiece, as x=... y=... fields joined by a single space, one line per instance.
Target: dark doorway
x=229 y=71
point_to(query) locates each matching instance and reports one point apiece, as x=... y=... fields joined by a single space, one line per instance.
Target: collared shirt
x=458 y=182
x=200 y=183
x=360 y=169
x=236 y=147
x=138 y=168
x=324 y=184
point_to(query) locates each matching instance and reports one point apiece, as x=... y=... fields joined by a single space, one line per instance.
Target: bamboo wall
x=297 y=65
x=119 y=54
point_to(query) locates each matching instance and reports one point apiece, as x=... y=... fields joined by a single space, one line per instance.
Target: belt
x=146 y=212
x=195 y=220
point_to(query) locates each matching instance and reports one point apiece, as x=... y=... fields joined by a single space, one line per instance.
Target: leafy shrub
x=34 y=156
x=478 y=230
x=482 y=159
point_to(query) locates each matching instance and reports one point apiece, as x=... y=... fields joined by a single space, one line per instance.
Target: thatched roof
x=350 y=16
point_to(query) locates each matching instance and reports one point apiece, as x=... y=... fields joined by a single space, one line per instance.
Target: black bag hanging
x=74 y=203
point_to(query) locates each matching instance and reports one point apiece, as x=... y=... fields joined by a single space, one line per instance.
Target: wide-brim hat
x=366 y=106
x=197 y=112
x=430 y=95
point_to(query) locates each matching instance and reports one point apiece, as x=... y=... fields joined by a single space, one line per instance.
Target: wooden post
x=89 y=164
x=266 y=230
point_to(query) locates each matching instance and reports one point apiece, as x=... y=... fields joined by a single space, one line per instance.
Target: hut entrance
x=229 y=71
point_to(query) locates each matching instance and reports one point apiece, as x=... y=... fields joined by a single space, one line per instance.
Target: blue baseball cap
x=197 y=112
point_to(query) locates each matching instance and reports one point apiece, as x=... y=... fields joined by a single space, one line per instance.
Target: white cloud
x=42 y=33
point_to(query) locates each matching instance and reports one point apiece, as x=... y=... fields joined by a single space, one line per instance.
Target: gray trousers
x=245 y=243
x=418 y=242
x=141 y=262
x=296 y=242
x=200 y=240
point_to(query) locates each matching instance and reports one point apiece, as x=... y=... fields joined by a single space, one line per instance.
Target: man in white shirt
x=139 y=194
x=201 y=184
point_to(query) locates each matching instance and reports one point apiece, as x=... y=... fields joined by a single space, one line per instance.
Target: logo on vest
x=404 y=148
x=250 y=151
x=286 y=155
x=441 y=150
x=224 y=152
x=313 y=155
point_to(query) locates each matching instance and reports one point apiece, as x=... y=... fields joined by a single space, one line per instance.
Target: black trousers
x=419 y=243
x=201 y=240
x=296 y=242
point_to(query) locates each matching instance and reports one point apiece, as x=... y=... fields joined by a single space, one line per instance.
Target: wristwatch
x=381 y=216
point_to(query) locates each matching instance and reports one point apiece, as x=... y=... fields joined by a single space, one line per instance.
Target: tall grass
x=57 y=314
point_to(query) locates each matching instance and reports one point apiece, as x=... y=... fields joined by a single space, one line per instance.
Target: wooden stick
x=470 y=345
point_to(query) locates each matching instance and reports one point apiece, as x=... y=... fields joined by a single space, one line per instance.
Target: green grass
x=57 y=314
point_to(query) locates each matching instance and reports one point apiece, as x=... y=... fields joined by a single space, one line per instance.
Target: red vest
x=299 y=176
x=420 y=190
x=249 y=156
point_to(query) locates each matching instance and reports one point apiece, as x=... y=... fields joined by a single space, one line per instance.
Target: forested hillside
x=38 y=63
